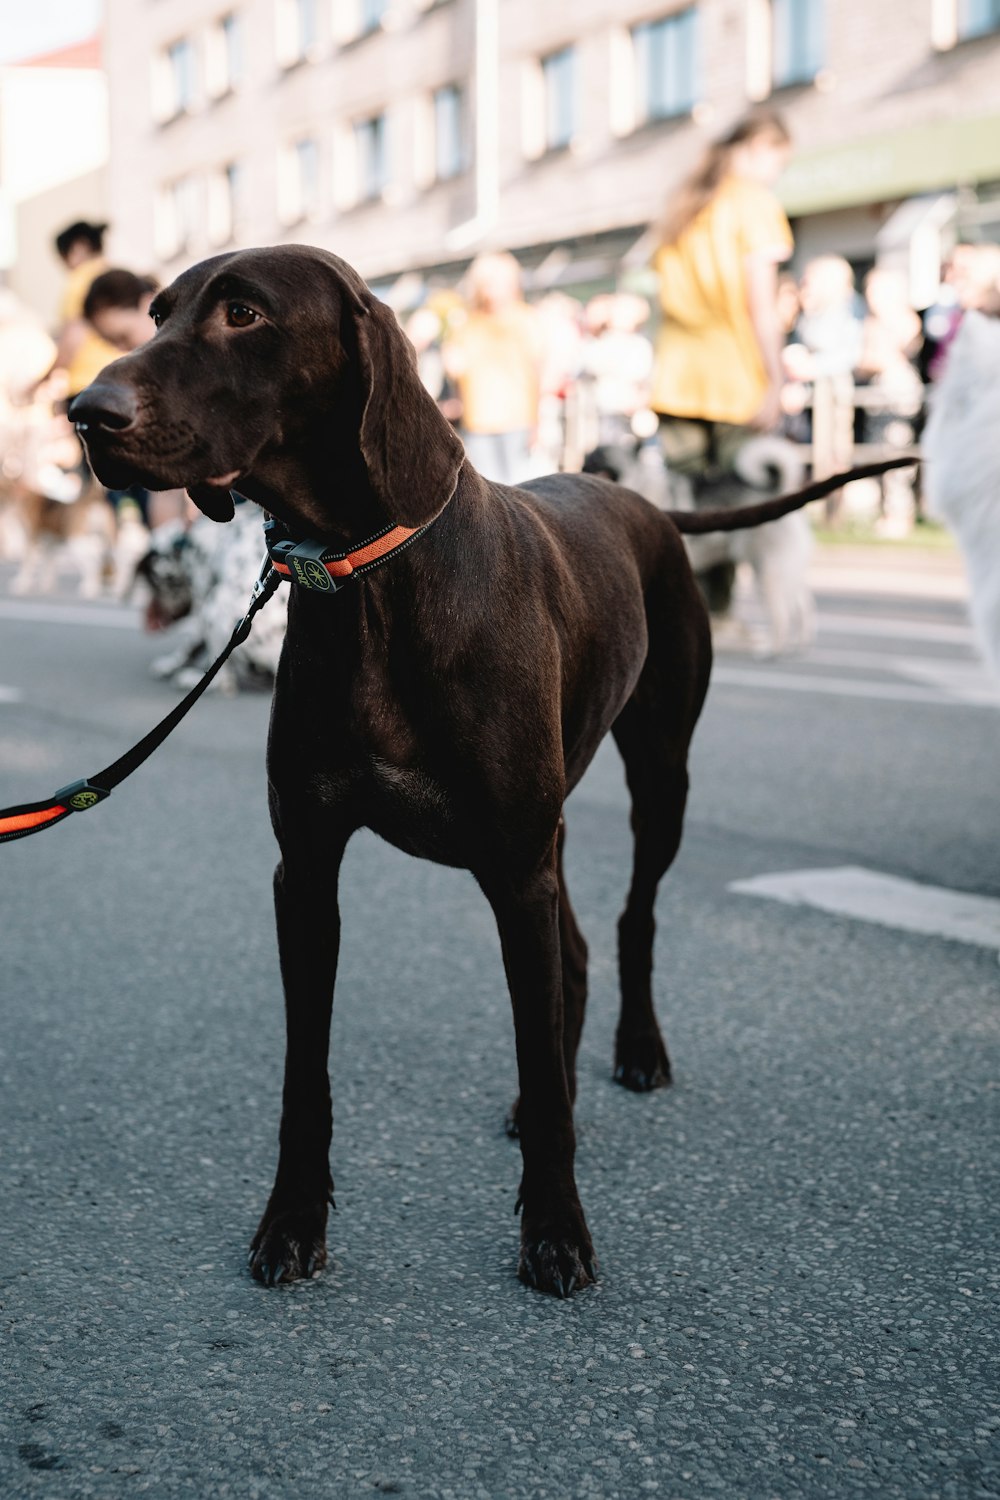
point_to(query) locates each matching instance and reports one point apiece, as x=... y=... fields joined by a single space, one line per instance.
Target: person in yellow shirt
x=717 y=375
x=494 y=357
x=81 y=353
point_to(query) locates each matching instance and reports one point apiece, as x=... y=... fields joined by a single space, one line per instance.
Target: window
x=300 y=190
x=224 y=56
x=225 y=203
x=449 y=135
x=559 y=87
x=370 y=13
x=181 y=72
x=978 y=17
x=297 y=30
x=666 y=61
x=177 y=216
x=371 y=145
x=798 y=41
x=306 y=158
x=231 y=28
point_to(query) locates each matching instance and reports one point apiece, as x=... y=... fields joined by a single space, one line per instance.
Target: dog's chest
x=405 y=805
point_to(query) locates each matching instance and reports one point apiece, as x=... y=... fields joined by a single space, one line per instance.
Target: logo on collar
x=310 y=573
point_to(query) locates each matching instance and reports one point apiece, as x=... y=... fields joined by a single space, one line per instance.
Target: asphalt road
x=798 y=1241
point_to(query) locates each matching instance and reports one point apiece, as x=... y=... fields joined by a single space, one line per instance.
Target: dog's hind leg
x=653 y=732
x=291 y=1239
x=573 y=950
x=659 y=794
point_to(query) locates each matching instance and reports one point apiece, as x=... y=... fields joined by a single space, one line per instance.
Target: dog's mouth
x=213 y=498
x=118 y=469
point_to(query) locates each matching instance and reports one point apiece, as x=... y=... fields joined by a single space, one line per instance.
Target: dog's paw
x=289 y=1246
x=642 y=1064
x=558 y=1266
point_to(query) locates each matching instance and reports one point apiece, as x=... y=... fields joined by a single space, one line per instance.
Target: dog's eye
x=157 y=317
x=238 y=315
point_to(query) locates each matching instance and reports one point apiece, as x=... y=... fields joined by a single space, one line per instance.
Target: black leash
x=32 y=817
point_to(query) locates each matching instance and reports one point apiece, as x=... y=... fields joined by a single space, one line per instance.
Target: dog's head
x=275 y=372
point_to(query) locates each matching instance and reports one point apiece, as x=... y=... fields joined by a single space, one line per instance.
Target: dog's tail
x=739 y=518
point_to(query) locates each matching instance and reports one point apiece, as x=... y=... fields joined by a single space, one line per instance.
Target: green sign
x=896 y=164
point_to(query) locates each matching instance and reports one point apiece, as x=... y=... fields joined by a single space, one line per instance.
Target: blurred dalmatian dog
x=777 y=554
x=963 y=467
x=199 y=579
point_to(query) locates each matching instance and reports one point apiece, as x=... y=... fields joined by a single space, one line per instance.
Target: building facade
x=53 y=164
x=406 y=134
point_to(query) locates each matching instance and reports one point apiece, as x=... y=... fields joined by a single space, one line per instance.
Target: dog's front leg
x=556 y=1253
x=291 y=1239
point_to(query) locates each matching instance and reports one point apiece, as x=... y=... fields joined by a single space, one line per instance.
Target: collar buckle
x=302 y=562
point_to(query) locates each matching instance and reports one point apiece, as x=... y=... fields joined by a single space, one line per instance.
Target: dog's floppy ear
x=412 y=454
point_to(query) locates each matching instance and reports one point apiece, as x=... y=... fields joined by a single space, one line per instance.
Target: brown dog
x=449 y=699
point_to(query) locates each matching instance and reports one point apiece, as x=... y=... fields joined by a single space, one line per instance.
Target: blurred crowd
x=667 y=390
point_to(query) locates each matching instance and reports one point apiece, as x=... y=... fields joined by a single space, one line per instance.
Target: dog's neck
x=322 y=491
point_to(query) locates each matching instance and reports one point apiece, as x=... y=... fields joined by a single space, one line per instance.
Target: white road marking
x=114 y=617
x=846 y=687
x=10 y=694
x=941 y=631
x=853 y=891
x=963 y=678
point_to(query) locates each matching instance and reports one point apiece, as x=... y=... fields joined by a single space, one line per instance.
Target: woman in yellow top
x=717 y=375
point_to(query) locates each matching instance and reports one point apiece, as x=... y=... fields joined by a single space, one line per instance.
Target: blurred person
x=891 y=341
x=975 y=275
x=789 y=304
x=495 y=359
x=26 y=353
x=969 y=283
x=717 y=374
x=827 y=337
x=425 y=331
x=892 y=336
x=117 y=308
x=81 y=353
x=826 y=346
x=891 y=333
x=618 y=357
x=561 y=437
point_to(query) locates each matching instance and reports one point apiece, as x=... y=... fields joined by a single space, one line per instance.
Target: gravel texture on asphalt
x=799 y=1274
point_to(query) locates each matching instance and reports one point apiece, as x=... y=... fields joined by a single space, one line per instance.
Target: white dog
x=962 y=449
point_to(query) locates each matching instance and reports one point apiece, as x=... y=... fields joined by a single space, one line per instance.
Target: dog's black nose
x=113 y=407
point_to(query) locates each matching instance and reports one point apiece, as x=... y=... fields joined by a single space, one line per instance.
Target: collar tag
x=303 y=562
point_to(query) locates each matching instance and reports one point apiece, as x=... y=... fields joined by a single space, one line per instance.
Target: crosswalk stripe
x=114 y=617
x=846 y=687
x=886 y=900
x=959 y=677
x=940 y=631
